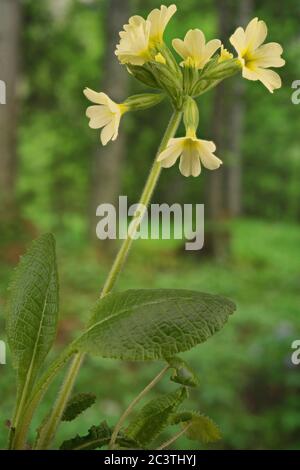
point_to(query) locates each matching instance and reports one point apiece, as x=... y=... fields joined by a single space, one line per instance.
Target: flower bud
x=221 y=70
x=143 y=75
x=190 y=78
x=143 y=101
x=191 y=114
x=169 y=81
x=203 y=86
x=169 y=58
x=214 y=74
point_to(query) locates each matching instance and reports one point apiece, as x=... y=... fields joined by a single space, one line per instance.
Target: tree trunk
x=234 y=183
x=10 y=21
x=224 y=185
x=107 y=162
x=216 y=239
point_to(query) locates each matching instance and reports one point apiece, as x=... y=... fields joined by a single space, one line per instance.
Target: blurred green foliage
x=247 y=383
x=56 y=145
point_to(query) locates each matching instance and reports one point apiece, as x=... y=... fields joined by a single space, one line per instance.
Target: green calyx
x=143 y=101
x=191 y=114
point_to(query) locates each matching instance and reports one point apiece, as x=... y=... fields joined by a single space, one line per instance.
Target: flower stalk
x=134 y=402
x=47 y=432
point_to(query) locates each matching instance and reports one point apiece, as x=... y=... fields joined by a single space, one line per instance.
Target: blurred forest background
x=54 y=173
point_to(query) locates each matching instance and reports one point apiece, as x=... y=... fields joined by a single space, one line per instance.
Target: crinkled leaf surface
x=33 y=309
x=201 y=428
x=154 y=416
x=153 y=324
x=77 y=405
x=96 y=438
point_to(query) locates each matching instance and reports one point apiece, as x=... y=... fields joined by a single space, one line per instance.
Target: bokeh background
x=54 y=173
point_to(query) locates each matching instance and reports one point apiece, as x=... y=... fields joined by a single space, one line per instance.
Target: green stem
x=132 y=405
x=144 y=202
x=174 y=438
x=18 y=434
x=18 y=412
x=48 y=431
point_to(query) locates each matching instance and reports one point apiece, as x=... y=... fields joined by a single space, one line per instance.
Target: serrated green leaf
x=201 y=428
x=77 y=404
x=154 y=416
x=151 y=324
x=183 y=374
x=97 y=437
x=33 y=310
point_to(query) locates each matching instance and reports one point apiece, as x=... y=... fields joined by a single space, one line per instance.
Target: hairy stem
x=48 y=431
x=174 y=438
x=18 y=434
x=132 y=405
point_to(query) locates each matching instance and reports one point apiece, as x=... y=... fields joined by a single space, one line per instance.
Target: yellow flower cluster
x=142 y=49
x=140 y=36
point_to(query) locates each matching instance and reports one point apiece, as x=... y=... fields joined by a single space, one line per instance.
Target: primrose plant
x=144 y=324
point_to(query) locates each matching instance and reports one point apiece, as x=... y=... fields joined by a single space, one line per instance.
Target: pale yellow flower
x=256 y=58
x=192 y=153
x=106 y=114
x=139 y=36
x=133 y=47
x=194 y=49
x=224 y=55
x=159 y=19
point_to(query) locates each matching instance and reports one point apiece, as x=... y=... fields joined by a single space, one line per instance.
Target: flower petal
x=268 y=55
x=169 y=156
x=134 y=41
x=180 y=47
x=99 y=98
x=159 y=19
x=250 y=74
x=107 y=132
x=185 y=165
x=256 y=32
x=195 y=48
x=195 y=163
x=208 y=159
x=195 y=42
x=269 y=78
x=97 y=111
x=116 y=128
x=98 y=122
x=238 y=40
x=211 y=47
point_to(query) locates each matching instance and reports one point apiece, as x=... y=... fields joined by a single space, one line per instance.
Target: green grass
x=247 y=383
